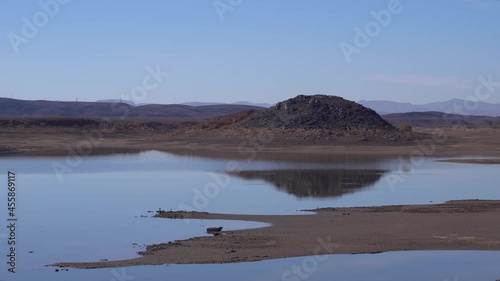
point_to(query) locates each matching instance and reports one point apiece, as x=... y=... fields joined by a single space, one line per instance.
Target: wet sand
x=455 y=225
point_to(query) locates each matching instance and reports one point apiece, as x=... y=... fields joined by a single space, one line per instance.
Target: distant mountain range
x=194 y=103
x=455 y=106
x=43 y=108
x=394 y=112
x=197 y=103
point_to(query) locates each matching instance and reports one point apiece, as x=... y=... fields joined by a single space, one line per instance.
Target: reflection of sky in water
x=93 y=211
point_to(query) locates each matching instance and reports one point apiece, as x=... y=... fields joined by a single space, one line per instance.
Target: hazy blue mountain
x=261 y=104
x=454 y=106
x=197 y=103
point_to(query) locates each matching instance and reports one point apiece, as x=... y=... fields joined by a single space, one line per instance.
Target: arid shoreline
x=449 y=142
x=464 y=225
x=455 y=225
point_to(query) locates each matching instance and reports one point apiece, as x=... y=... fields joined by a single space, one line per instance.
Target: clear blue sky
x=261 y=50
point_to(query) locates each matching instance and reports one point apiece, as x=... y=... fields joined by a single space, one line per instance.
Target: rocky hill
x=305 y=119
x=317 y=112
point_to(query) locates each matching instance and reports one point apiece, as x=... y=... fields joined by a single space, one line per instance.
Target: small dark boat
x=214 y=229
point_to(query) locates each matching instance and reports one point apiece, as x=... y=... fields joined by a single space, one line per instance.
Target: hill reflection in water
x=316 y=183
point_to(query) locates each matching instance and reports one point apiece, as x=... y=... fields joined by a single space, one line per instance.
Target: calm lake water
x=98 y=209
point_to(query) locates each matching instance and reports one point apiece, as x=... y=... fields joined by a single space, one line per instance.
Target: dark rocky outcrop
x=317 y=112
x=311 y=120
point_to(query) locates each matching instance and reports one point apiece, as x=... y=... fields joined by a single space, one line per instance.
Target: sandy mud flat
x=455 y=225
